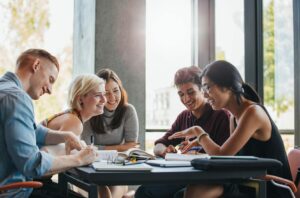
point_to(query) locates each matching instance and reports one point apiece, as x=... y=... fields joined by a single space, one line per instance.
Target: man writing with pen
x=198 y=112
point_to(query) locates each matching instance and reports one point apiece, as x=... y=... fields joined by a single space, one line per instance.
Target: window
x=39 y=24
x=168 y=48
x=279 y=61
x=279 y=64
x=229 y=33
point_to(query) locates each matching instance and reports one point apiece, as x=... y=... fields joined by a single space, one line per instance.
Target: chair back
x=18 y=185
x=294 y=162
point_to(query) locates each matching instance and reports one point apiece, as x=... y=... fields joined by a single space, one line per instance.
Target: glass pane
x=279 y=61
x=168 y=48
x=39 y=24
x=229 y=32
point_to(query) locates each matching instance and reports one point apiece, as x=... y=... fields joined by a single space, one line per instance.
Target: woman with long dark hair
x=117 y=128
x=252 y=130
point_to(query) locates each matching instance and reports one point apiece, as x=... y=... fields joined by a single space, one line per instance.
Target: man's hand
x=170 y=149
x=72 y=142
x=87 y=155
x=162 y=150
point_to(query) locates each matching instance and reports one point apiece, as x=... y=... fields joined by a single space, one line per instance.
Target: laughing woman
x=252 y=130
x=85 y=99
x=117 y=128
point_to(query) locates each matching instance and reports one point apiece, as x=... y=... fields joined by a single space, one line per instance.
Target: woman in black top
x=253 y=134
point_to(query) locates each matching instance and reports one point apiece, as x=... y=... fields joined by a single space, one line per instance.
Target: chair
x=294 y=161
x=26 y=184
x=293 y=186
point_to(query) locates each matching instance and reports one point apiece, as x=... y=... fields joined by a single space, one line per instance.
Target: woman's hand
x=189 y=133
x=188 y=145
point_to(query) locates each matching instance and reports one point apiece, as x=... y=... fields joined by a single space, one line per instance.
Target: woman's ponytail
x=250 y=94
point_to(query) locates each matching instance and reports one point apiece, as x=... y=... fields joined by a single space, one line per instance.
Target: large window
x=39 y=24
x=168 y=48
x=279 y=63
x=229 y=32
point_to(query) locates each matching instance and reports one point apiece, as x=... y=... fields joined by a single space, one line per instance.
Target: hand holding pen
x=92 y=140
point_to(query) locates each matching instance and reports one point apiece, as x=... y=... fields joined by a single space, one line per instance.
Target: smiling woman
x=117 y=127
x=85 y=100
x=253 y=132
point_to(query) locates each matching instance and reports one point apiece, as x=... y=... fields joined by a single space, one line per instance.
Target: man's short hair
x=190 y=74
x=26 y=56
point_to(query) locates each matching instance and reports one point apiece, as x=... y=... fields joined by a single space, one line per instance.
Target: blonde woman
x=117 y=127
x=85 y=100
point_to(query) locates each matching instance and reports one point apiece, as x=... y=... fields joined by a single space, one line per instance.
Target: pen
x=92 y=140
x=195 y=148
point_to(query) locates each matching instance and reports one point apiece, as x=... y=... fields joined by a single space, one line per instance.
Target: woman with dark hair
x=252 y=130
x=117 y=128
x=197 y=113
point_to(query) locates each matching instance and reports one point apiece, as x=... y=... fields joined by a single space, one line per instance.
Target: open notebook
x=164 y=163
x=104 y=166
x=184 y=157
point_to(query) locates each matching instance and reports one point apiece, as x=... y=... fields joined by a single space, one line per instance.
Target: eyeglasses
x=206 y=87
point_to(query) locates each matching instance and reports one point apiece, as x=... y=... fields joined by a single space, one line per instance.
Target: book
x=108 y=155
x=164 y=163
x=184 y=157
x=106 y=167
x=136 y=153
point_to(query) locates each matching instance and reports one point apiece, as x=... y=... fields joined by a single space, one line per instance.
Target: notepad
x=105 y=167
x=184 y=157
x=106 y=155
x=164 y=163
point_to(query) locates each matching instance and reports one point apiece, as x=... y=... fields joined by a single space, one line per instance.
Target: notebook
x=106 y=155
x=184 y=157
x=164 y=163
x=105 y=167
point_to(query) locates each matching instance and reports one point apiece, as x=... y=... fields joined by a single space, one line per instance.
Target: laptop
x=164 y=163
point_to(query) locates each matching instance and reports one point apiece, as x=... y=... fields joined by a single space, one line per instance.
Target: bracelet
x=201 y=136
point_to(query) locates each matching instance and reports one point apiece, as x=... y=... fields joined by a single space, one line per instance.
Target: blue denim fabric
x=21 y=159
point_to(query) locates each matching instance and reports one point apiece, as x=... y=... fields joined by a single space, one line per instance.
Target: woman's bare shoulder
x=70 y=122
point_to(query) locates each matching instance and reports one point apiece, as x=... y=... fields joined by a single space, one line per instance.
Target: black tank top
x=272 y=148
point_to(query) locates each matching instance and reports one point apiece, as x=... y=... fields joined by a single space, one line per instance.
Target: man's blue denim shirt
x=20 y=157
